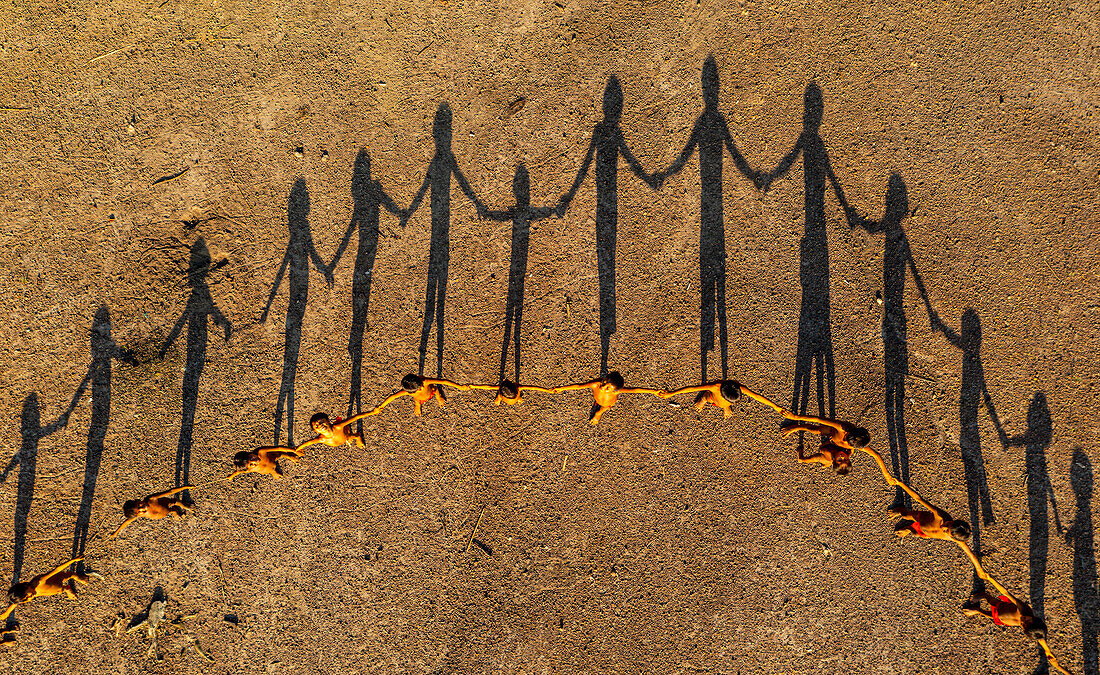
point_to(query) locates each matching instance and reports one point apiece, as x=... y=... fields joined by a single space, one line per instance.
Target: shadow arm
x=419 y=197
x=784 y=165
x=566 y=198
x=635 y=166
x=467 y=189
x=220 y=320
x=274 y=287
x=739 y=160
x=176 y=330
x=386 y=201
x=681 y=159
x=343 y=245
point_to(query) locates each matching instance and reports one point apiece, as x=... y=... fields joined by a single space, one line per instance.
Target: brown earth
x=664 y=540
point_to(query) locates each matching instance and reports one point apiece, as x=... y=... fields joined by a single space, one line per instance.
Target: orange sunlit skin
x=334 y=434
x=509 y=392
x=605 y=392
x=934 y=524
x=720 y=394
x=154 y=507
x=59 y=580
x=263 y=461
x=422 y=390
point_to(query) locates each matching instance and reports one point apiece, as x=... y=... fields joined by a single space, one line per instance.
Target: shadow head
x=613 y=101
x=709 y=82
x=1080 y=476
x=297 y=204
x=441 y=128
x=814 y=109
x=897 y=202
x=360 y=174
x=971 y=330
x=521 y=186
x=1038 y=420
x=100 y=335
x=412 y=382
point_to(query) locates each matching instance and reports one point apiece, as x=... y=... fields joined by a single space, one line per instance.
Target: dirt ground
x=952 y=308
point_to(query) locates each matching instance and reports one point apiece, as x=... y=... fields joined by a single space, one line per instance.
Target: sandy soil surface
x=952 y=309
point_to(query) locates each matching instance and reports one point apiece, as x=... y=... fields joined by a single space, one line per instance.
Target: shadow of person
x=1039 y=491
x=300 y=251
x=1080 y=536
x=367 y=195
x=973 y=394
x=815 y=342
x=32 y=432
x=444 y=164
x=200 y=306
x=104 y=350
x=897 y=256
x=606 y=146
x=521 y=215
x=712 y=137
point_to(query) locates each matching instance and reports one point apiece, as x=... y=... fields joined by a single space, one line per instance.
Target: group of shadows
x=710 y=139
x=838 y=440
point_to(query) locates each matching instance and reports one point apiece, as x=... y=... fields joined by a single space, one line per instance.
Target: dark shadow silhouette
x=32 y=431
x=300 y=251
x=1080 y=536
x=103 y=350
x=897 y=256
x=815 y=341
x=438 y=178
x=712 y=137
x=1039 y=491
x=199 y=306
x=367 y=195
x=521 y=216
x=606 y=146
x=973 y=393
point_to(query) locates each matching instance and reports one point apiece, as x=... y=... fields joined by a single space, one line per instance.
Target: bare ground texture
x=157 y=322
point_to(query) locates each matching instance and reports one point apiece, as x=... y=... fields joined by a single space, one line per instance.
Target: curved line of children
x=839 y=439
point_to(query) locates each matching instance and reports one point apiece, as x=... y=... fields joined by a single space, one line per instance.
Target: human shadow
x=32 y=432
x=437 y=178
x=200 y=307
x=521 y=215
x=104 y=350
x=973 y=394
x=711 y=136
x=814 y=357
x=1080 y=536
x=367 y=195
x=606 y=146
x=897 y=256
x=300 y=252
x=1039 y=492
